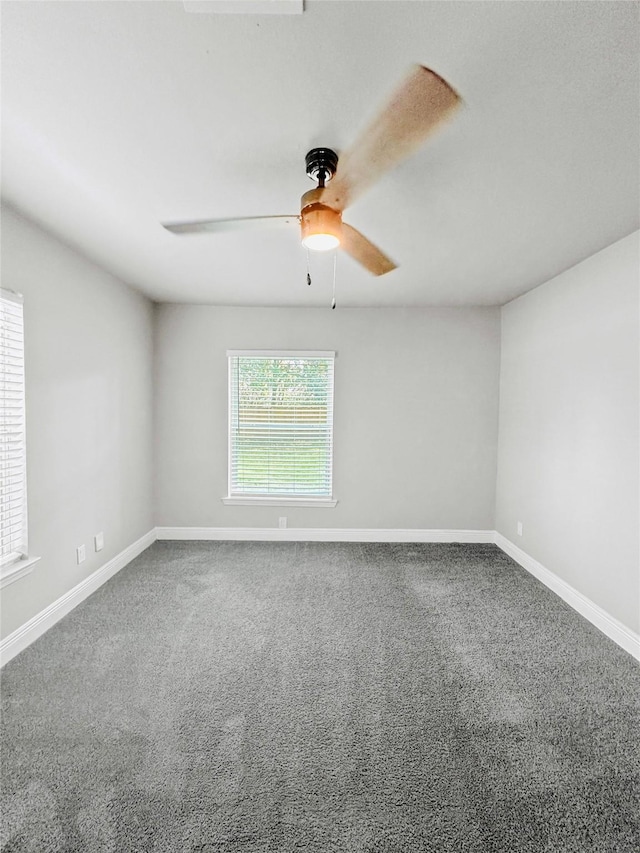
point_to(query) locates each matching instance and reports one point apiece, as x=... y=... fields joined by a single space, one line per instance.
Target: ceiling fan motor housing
x=321 y=164
x=318 y=218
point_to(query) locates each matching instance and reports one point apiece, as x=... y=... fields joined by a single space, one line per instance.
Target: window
x=280 y=427
x=13 y=484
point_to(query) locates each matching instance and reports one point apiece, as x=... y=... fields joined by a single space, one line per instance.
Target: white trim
x=323 y=534
x=34 y=628
x=41 y=622
x=280 y=353
x=265 y=500
x=615 y=630
x=17 y=570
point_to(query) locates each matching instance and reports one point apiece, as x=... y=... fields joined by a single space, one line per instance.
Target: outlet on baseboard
x=81 y=554
x=282 y=522
x=98 y=541
x=519 y=528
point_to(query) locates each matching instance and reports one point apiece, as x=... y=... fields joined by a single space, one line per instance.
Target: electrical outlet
x=519 y=528
x=98 y=541
x=282 y=522
x=81 y=554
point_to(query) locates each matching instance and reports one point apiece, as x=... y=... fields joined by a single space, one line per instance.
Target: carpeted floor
x=217 y=697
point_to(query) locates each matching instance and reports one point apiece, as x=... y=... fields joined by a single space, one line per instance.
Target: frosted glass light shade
x=321 y=242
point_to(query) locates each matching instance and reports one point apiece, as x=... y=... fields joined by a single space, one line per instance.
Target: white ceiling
x=117 y=116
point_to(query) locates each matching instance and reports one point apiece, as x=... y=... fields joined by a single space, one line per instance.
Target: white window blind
x=280 y=424
x=13 y=498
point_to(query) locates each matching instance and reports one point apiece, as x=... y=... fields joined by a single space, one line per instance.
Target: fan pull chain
x=308 y=270
x=335 y=259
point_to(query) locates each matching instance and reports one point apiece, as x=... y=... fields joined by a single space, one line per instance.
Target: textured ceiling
x=117 y=116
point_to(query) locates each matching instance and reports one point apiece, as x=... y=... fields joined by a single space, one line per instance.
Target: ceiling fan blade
x=240 y=224
x=418 y=106
x=362 y=250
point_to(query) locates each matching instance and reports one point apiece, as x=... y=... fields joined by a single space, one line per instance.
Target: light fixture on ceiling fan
x=417 y=107
x=320 y=225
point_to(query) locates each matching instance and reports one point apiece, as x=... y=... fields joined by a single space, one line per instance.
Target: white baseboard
x=35 y=627
x=615 y=630
x=323 y=534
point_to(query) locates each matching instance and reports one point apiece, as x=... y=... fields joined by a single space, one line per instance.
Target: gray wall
x=416 y=420
x=569 y=434
x=89 y=365
x=415 y=424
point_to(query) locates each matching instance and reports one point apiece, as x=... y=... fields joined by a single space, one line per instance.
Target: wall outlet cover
x=98 y=540
x=81 y=553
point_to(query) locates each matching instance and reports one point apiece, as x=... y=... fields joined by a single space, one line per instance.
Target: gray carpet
x=218 y=697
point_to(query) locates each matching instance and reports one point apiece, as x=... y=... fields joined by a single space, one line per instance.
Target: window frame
x=232 y=499
x=17 y=563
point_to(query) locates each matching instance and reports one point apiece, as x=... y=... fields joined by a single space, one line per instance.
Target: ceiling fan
x=417 y=107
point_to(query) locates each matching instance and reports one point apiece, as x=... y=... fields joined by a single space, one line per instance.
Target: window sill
x=17 y=570
x=276 y=501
